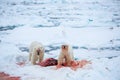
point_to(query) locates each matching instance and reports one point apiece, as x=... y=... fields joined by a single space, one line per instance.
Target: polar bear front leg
x=30 y=55
x=41 y=55
x=68 y=59
x=33 y=59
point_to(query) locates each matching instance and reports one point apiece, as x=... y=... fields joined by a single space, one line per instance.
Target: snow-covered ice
x=91 y=27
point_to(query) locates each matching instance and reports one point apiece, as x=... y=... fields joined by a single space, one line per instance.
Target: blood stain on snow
x=4 y=76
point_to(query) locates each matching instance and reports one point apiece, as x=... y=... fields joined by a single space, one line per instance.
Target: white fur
x=33 y=57
x=66 y=56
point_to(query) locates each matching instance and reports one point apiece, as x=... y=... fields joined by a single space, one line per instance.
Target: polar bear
x=66 y=56
x=36 y=52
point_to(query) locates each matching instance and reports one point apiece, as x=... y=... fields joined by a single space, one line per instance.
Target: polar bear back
x=35 y=45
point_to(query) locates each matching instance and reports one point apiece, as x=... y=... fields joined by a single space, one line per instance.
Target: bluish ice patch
x=10 y=27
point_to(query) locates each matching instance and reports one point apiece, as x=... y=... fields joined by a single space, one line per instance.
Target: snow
x=91 y=27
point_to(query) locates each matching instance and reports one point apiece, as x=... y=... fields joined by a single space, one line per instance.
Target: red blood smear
x=4 y=76
x=48 y=62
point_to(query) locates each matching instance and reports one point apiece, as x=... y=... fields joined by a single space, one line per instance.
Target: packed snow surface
x=91 y=27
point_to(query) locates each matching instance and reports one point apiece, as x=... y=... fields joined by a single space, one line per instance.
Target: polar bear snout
x=38 y=52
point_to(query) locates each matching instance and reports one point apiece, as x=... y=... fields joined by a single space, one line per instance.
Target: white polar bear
x=66 y=55
x=36 y=52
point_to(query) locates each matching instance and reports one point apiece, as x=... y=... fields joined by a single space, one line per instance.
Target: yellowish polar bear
x=66 y=55
x=36 y=51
